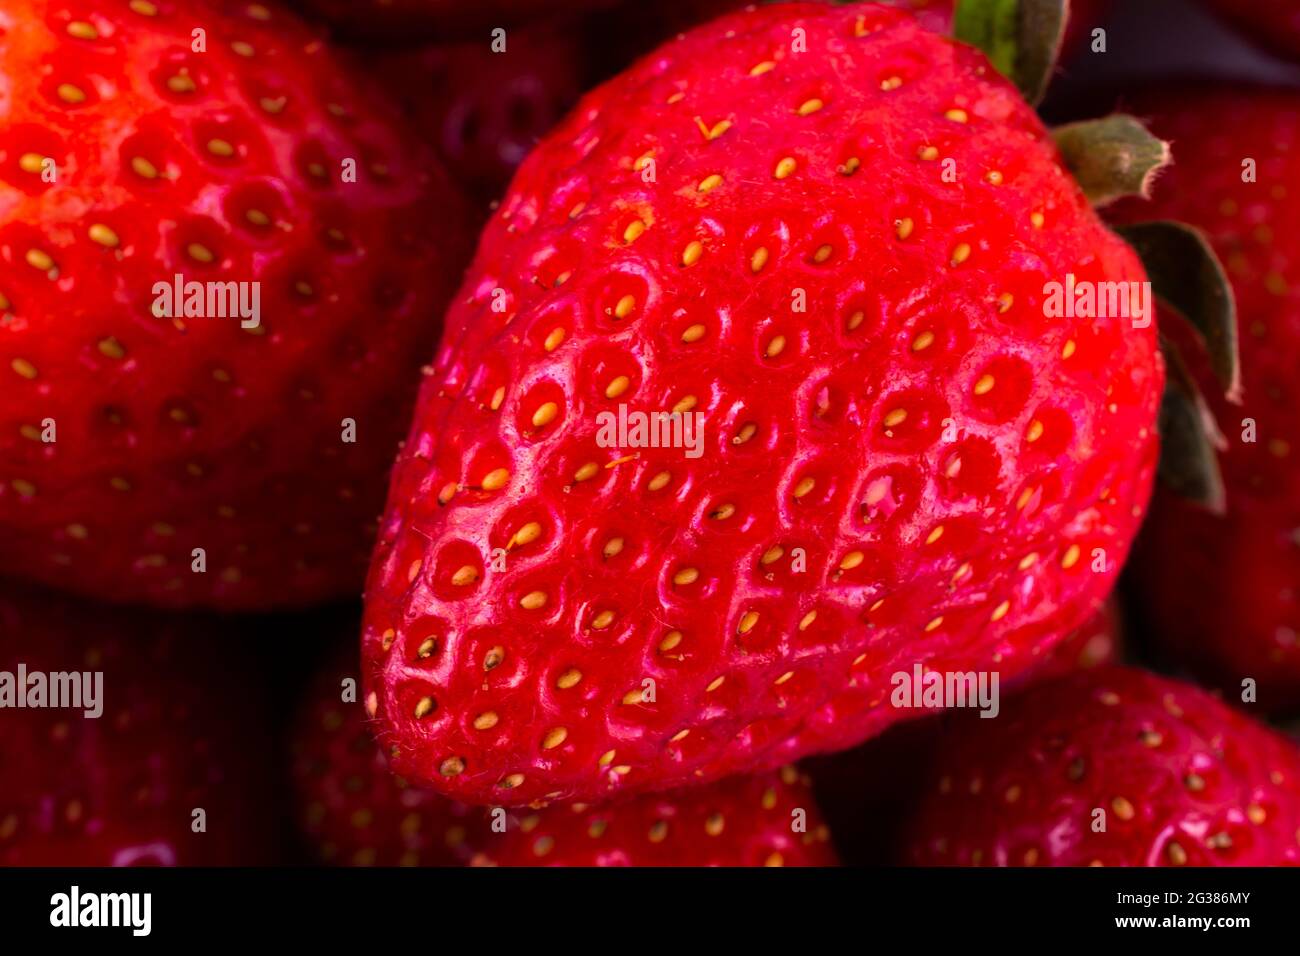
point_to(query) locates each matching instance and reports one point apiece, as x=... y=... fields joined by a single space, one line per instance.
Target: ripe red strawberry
x=350 y=808
x=1180 y=778
x=1224 y=592
x=182 y=728
x=550 y=618
x=354 y=811
x=766 y=820
x=484 y=111
x=1274 y=23
x=129 y=439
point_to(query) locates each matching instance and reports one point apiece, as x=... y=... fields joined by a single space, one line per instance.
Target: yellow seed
x=1256 y=814
x=773 y=553
x=586 y=472
x=1177 y=855
x=39 y=259
x=424 y=707
x=625 y=306
x=1005 y=301
x=960 y=254
x=785 y=167
x=1035 y=431
x=25 y=489
x=822 y=254
x=219 y=147
x=807 y=620
x=569 y=678
x=659 y=481
x=465 y=575
x=602 y=620
x=709 y=182
x=935 y=624
x=103 y=235
x=758 y=259
x=686 y=576
x=895 y=417
x=715 y=684
x=693 y=333
x=852 y=560
x=199 y=252
x=922 y=341
x=1036 y=219
x=928 y=153
x=242 y=49
x=956 y=115
x=257 y=217
x=554 y=339
x=993 y=177
x=776 y=346
x=633 y=697
x=146 y=8
x=617 y=387
x=496 y=480
x=1028 y=561
x=723 y=513
x=527 y=534
x=850 y=166
x=1123 y=809
x=1068 y=350
x=1071 y=557
x=1001 y=610
x=533 y=600
x=804 y=486
x=747 y=431
x=765 y=67
x=70 y=94
x=111 y=348
x=903 y=227
x=486 y=720
x=680 y=735
x=554 y=737
x=634 y=231
x=31 y=162
x=891 y=83
x=691 y=254
x=856 y=319
x=984 y=385
x=82 y=30
x=935 y=535
x=810 y=106
x=685 y=405
x=747 y=622
x=451 y=767
x=545 y=414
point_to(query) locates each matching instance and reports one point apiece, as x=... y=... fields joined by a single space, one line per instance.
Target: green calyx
x=1022 y=38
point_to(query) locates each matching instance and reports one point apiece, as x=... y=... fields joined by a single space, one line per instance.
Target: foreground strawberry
x=181 y=728
x=149 y=453
x=1274 y=23
x=766 y=820
x=902 y=462
x=1224 y=591
x=353 y=811
x=483 y=111
x=1111 y=767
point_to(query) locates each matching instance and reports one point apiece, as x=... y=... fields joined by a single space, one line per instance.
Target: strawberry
x=1173 y=776
x=352 y=810
x=483 y=111
x=918 y=468
x=122 y=788
x=138 y=450
x=1224 y=591
x=1273 y=23
x=765 y=820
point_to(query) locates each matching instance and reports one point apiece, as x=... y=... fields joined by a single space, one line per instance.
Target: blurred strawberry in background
x=1223 y=591
x=184 y=728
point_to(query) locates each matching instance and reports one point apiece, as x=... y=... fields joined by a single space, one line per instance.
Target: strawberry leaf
x=1187 y=276
x=1112 y=157
x=1189 y=436
x=1022 y=38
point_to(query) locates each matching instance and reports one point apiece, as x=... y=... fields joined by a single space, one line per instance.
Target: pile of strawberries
x=746 y=422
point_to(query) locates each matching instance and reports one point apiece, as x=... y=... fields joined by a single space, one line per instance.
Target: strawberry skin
x=353 y=811
x=120 y=789
x=483 y=111
x=1182 y=778
x=175 y=434
x=743 y=821
x=350 y=809
x=1224 y=592
x=654 y=625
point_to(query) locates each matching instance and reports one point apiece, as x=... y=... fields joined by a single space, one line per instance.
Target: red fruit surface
x=484 y=111
x=824 y=430
x=1273 y=23
x=183 y=727
x=180 y=433
x=350 y=808
x=1182 y=778
x=1224 y=592
x=743 y=821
